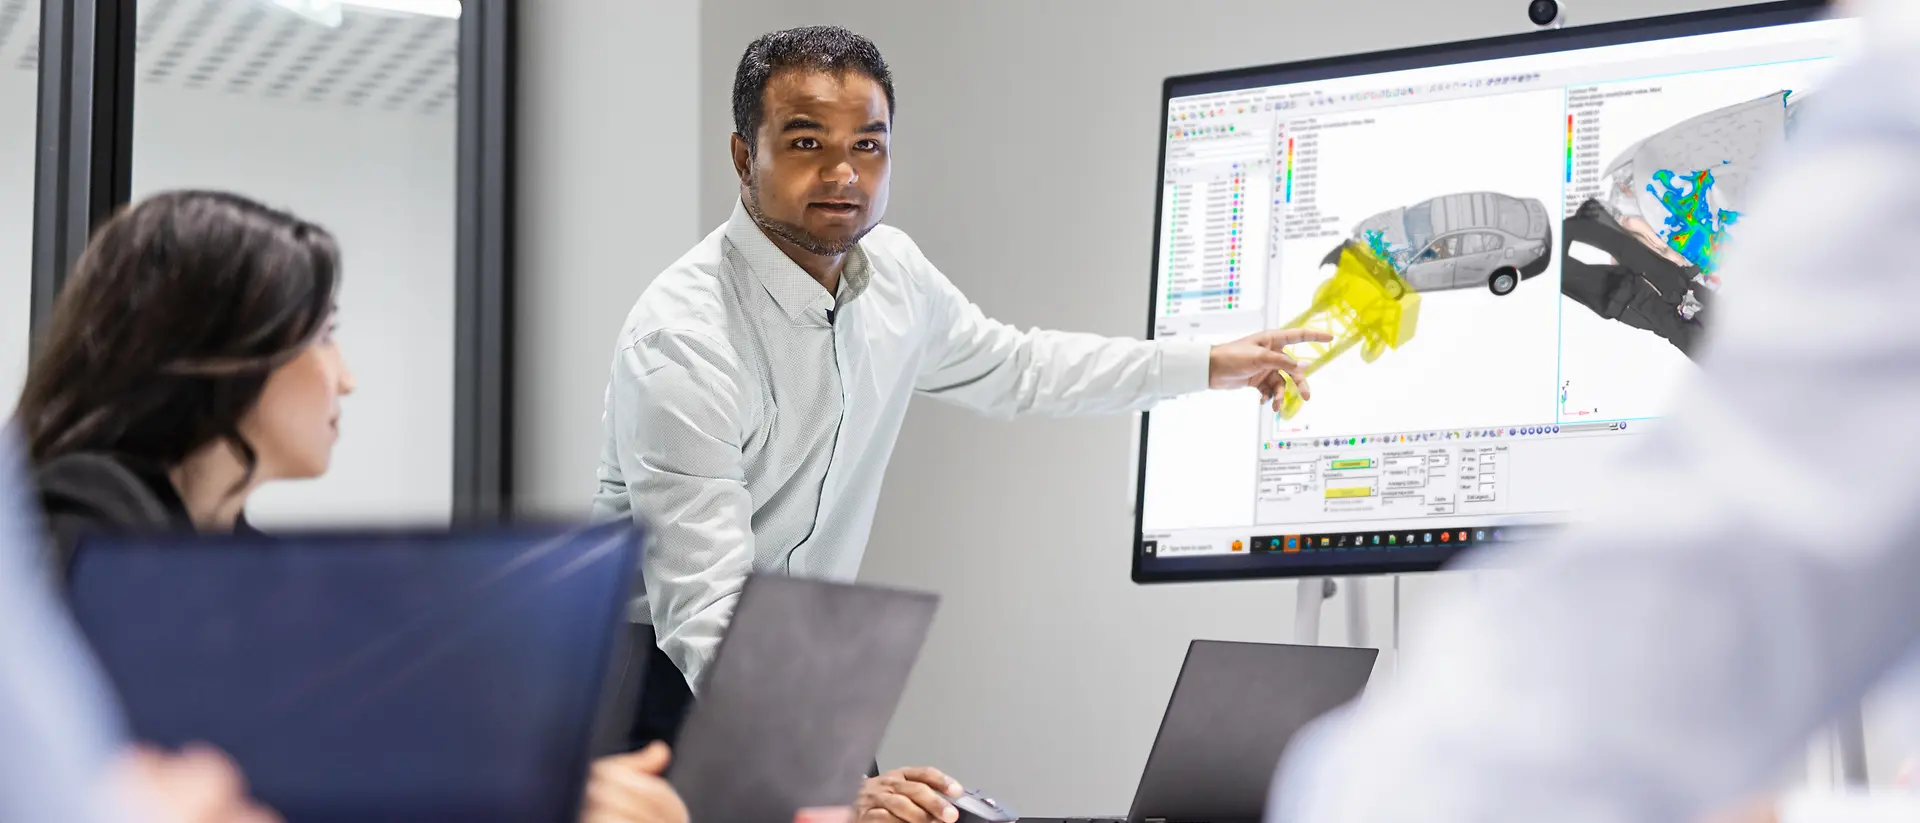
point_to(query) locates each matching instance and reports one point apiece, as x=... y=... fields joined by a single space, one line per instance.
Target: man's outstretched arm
x=982 y=364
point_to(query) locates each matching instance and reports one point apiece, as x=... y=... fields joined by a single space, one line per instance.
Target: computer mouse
x=976 y=807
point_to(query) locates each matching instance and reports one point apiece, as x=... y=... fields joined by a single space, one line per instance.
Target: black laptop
x=799 y=694
x=390 y=676
x=1234 y=710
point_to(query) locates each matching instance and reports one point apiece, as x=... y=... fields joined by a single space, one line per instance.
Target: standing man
x=760 y=382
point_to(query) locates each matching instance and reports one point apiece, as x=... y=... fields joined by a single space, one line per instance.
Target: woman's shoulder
x=93 y=493
x=101 y=488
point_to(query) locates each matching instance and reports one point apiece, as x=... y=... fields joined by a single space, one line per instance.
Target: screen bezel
x=1666 y=27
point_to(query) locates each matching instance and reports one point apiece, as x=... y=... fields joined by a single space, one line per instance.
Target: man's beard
x=798 y=235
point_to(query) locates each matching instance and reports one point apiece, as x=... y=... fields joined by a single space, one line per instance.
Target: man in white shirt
x=760 y=382
x=1750 y=573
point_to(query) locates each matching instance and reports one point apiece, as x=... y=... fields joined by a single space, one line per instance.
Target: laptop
x=370 y=676
x=1234 y=710
x=792 y=709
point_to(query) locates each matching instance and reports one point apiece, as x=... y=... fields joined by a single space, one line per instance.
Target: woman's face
x=293 y=427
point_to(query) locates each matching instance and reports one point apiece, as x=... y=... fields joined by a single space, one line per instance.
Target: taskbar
x=1456 y=537
x=1424 y=539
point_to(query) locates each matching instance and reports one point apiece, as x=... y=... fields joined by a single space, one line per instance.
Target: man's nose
x=841 y=173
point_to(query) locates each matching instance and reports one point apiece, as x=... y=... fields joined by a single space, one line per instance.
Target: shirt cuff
x=1186 y=367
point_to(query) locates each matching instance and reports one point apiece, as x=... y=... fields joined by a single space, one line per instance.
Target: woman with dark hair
x=190 y=358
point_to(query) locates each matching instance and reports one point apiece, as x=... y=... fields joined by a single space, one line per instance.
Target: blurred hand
x=1763 y=810
x=628 y=788
x=197 y=785
x=916 y=795
x=1257 y=360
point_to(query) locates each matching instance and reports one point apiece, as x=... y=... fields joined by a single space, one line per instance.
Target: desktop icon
x=1463 y=537
x=1480 y=535
x=1376 y=540
x=1325 y=542
x=1392 y=539
x=1446 y=537
x=1429 y=538
x=1238 y=546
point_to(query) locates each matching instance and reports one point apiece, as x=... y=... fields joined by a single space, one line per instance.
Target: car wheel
x=1503 y=281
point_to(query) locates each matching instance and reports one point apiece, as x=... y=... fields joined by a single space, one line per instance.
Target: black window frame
x=83 y=174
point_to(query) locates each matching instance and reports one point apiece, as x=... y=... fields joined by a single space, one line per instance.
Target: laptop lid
x=417 y=676
x=792 y=709
x=1234 y=709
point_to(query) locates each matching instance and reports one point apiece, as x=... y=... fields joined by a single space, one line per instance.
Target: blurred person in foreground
x=190 y=359
x=61 y=756
x=1746 y=578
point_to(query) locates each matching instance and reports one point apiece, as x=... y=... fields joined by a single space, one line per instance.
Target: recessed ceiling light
x=431 y=8
x=329 y=12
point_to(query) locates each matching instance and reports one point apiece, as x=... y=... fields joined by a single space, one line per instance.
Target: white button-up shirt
x=1751 y=569
x=750 y=414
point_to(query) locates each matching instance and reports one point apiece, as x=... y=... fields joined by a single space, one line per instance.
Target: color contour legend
x=1289 y=169
x=1569 y=148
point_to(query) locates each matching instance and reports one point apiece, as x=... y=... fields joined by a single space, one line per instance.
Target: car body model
x=1646 y=250
x=1457 y=241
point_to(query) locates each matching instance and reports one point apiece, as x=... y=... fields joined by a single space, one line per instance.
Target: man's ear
x=742 y=157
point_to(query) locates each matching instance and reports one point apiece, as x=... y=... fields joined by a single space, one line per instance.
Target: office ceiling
x=395 y=62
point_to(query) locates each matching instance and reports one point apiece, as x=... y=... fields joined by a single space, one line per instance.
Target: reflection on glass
x=19 y=67
x=344 y=113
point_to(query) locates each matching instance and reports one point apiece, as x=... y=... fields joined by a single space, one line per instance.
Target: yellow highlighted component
x=1349 y=492
x=1365 y=303
x=1355 y=463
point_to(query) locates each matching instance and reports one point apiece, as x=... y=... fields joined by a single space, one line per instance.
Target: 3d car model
x=1459 y=241
x=1670 y=203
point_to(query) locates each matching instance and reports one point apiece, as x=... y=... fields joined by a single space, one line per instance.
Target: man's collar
x=792 y=287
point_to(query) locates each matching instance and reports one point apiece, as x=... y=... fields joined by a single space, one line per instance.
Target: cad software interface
x=1517 y=259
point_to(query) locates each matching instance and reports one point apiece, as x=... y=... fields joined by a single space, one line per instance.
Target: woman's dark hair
x=165 y=333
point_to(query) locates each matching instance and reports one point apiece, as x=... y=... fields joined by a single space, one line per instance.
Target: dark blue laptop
x=370 y=676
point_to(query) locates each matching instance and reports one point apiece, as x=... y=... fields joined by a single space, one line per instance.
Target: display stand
x=1850 y=748
x=1312 y=597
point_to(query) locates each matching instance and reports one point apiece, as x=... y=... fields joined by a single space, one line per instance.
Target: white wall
x=610 y=140
x=1024 y=160
x=18 y=102
x=383 y=183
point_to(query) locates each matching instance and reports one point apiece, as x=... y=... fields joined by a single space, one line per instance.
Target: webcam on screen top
x=1547 y=14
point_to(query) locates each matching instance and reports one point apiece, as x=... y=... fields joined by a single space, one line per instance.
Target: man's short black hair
x=818 y=48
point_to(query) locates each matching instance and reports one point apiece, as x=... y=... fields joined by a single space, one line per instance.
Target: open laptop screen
x=369 y=677
x=794 y=706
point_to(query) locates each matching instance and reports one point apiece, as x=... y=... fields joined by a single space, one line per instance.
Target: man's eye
x=867 y=145
x=806 y=143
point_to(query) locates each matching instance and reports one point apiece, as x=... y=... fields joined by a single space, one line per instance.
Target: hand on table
x=199 y=784
x=628 y=788
x=1257 y=360
x=916 y=795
